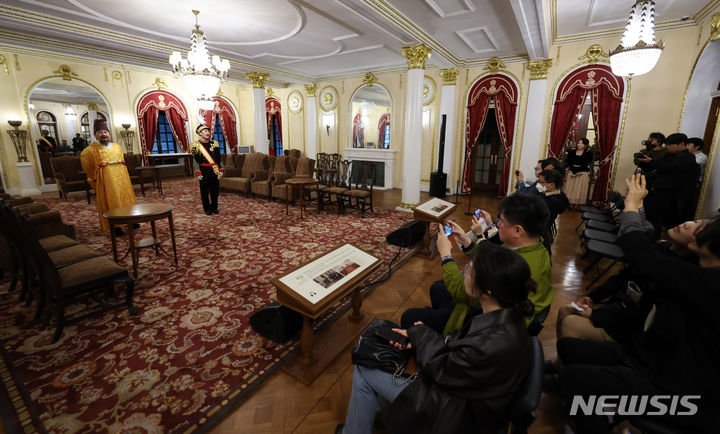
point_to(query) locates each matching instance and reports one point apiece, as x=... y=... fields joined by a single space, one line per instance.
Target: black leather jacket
x=467 y=378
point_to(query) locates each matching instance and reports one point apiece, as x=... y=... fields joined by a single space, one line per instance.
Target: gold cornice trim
x=705 y=11
x=396 y=17
x=614 y=33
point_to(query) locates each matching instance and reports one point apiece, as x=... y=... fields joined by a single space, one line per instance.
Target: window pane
x=219 y=136
x=164 y=140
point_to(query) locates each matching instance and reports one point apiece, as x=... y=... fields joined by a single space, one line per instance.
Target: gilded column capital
x=4 y=64
x=449 y=76
x=91 y=106
x=714 y=27
x=257 y=79
x=310 y=89
x=416 y=55
x=538 y=69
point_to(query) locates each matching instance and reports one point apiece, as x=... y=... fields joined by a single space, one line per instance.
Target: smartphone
x=448 y=230
x=478 y=213
x=388 y=333
x=577 y=308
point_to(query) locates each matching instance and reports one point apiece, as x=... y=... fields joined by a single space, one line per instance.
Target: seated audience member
x=551 y=182
x=669 y=202
x=679 y=352
x=626 y=298
x=522 y=187
x=522 y=220
x=466 y=378
x=64 y=147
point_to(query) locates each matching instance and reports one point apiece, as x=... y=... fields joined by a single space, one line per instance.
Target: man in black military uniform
x=207 y=158
x=669 y=202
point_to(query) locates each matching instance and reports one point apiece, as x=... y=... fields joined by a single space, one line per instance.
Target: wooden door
x=487 y=157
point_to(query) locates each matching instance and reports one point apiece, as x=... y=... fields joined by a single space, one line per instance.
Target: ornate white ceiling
x=303 y=40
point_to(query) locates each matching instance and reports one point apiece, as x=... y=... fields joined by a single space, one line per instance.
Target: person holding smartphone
x=466 y=378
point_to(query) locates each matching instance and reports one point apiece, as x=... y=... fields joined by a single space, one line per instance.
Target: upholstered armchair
x=282 y=173
x=293 y=153
x=232 y=164
x=256 y=161
x=69 y=177
x=262 y=180
x=132 y=162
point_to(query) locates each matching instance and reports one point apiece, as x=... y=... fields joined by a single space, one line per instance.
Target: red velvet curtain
x=476 y=115
x=229 y=128
x=563 y=119
x=382 y=124
x=505 y=112
x=177 y=125
x=148 y=128
x=272 y=108
x=606 y=112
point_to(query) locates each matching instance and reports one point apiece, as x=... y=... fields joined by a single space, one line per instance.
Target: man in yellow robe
x=104 y=165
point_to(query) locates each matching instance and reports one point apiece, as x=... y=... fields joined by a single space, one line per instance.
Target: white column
x=92 y=115
x=27 y=179
x=311 y=122
x=412 y=145
x=259 y=116
x=531 y=140
x=447 y=107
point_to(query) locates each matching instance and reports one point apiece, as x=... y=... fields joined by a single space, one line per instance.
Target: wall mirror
x=370 y=109
x=59 y=110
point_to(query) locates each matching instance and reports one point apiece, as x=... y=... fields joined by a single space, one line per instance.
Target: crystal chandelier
x=638 y=52
x=201 y=73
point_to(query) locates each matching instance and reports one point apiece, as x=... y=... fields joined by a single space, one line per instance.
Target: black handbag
x=375 y=352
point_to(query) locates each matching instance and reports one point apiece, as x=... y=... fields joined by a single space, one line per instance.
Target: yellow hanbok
x=108 y=176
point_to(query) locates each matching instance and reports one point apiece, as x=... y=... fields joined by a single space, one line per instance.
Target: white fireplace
x=385 y=156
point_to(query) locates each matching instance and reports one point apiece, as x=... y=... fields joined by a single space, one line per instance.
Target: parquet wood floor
x=282 y=405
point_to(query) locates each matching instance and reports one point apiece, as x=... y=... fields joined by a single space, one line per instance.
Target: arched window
x=85 y=127
x=384 y=129
x=218 y=135
x=164 y=141
x=47 y=122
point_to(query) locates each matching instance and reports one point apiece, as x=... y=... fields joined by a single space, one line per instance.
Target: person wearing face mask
x=549 y=184
x=104 y=165
x=678 y=353
x=578 y=178
x=521 y=186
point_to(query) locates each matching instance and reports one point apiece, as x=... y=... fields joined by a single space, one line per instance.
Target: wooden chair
x=341 y=184
x=363 y=191
x=132 y=162
x=60 y=287
x=304 y=168
x=68 y=173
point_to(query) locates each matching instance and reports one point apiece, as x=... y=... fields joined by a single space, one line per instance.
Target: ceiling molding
x=464 y=35
x=469 y=8
x=616 y=33
x=706 y=10
x=529 y=17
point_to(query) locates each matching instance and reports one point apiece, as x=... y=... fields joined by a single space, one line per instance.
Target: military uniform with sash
x=208 y=171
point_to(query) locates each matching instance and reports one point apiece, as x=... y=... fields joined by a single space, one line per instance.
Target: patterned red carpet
x=191 y=352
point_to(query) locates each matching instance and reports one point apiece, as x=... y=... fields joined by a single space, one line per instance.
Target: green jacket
x=537 y=258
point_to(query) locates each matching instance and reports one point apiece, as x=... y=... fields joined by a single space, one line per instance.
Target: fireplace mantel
x=385 y=156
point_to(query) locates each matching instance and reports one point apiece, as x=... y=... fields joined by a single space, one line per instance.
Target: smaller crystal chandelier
x=201 y=73
x=638 y=52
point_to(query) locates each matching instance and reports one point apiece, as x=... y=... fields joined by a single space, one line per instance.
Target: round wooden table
x=140 y=213
x=301 y=183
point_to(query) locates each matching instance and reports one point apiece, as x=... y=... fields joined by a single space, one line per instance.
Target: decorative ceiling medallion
x=494 y=65
x=66 y=72
x=428 y=91
x=593 y=54
x=369 y=79
x=295 y=102
x=328 y=98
